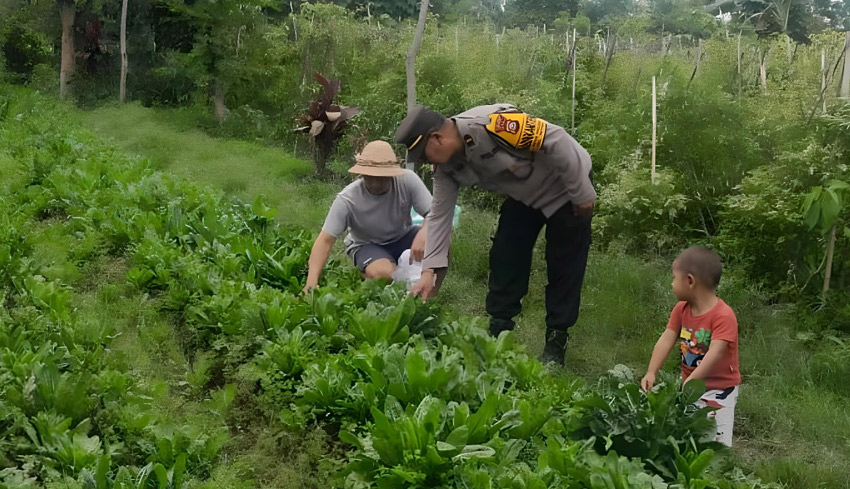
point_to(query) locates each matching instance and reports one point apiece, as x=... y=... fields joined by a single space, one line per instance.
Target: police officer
x=545 y=175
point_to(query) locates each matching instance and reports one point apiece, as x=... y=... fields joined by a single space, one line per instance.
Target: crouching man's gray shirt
x=377 y=219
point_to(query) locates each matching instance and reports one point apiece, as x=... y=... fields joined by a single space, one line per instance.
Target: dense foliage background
x=737 y=153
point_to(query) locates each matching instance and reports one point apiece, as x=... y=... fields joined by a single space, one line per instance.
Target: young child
x=707 y=332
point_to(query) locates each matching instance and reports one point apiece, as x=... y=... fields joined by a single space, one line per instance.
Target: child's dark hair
x=702 y=263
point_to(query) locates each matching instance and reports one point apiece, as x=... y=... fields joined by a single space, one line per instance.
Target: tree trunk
x=218 y=101
x=67 y=12
x=830 y=251
x=845 y=80
x=122 y=90
x=410 y=60
x=696 y=66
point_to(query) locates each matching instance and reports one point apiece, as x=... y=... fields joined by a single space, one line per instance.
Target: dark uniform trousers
x=567 y=245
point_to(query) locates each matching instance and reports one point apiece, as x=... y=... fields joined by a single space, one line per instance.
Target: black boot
x=556 y=346
x=497 y=325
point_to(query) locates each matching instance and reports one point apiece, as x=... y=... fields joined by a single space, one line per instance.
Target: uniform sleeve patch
x=518 y=130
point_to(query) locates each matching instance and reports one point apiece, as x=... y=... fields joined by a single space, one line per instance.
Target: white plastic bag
x=406 y=272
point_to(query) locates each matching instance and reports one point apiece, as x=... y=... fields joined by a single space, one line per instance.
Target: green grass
x=239 y=168
x=787 y=428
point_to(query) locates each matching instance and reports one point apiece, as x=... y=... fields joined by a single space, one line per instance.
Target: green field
x=153 y=252
x=787 y=428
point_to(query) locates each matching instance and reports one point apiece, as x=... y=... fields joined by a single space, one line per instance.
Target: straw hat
x=377 y=160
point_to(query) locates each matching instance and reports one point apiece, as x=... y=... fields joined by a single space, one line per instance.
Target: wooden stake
x=654 y=128
x=830 y=251
x=739 y=55
x=763 y=70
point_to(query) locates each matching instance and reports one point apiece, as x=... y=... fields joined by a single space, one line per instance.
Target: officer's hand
x=417 y=249
x=584 y=210
x=425 y=286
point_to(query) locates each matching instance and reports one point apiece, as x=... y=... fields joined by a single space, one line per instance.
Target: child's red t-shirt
x=695 y=336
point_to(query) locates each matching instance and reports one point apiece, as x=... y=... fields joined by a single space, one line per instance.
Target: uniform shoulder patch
x=518 y=130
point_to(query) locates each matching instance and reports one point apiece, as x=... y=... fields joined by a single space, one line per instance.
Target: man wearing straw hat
x=375 y=209
x=545 y=175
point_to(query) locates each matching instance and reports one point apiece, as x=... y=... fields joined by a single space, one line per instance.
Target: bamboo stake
x=654 y=127
x=573 y=110
x=740 y=80
x=845 y=79
x=823 y=76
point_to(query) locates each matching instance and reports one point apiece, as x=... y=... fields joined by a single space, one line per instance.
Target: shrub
x=644 y=216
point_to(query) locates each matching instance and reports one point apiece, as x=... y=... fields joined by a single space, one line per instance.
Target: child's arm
x=659 y=355
x=716 y=350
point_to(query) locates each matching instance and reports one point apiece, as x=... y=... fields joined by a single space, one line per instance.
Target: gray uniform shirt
x=546 y=179
x=377 y=219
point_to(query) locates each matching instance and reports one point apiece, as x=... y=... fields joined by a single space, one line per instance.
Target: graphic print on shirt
x=694 y=345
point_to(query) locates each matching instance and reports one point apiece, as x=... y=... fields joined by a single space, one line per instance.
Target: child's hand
x=647 y=382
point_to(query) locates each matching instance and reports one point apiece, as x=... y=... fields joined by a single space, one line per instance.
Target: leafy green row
x=420 y=401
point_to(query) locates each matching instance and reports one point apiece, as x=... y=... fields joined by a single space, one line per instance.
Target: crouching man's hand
x=424 y=288
x=417 y=249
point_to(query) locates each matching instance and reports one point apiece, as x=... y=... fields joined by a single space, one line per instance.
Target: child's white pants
x=724 y=416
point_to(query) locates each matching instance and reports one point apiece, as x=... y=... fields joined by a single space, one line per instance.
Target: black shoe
x=556 y=346
x=497 y=325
